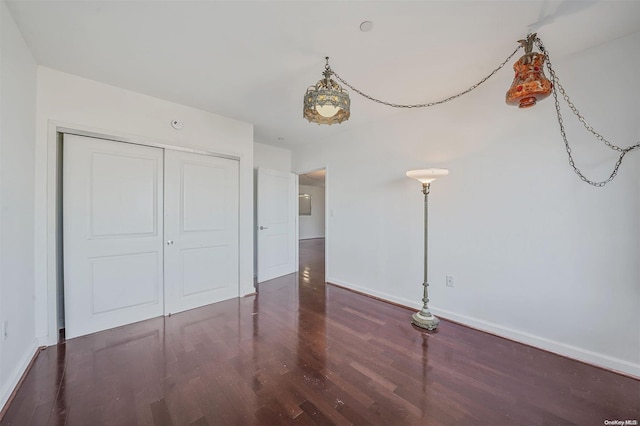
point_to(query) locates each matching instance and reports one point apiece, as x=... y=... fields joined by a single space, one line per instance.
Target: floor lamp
x=424 y=318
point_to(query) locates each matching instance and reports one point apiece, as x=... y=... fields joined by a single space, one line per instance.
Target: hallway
x=302 y=352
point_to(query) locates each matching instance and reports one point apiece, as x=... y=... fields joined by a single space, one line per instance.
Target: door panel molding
x=115 y=280
x=202 y=223
x=276 y=224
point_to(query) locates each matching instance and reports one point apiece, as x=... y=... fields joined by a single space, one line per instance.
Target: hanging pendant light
x=326 y=102
x=529 y=84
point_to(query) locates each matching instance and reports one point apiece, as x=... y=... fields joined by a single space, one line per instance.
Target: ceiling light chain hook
x=527 y=43
x=429 y=104
x=328 y=72
x=558 y=87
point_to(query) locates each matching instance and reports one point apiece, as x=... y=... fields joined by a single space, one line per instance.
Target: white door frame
x=327 y=210
x=54 y=265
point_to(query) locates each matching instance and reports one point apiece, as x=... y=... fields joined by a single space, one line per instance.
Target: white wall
x=312 y=226
x=536 y=254
x=17 y=142
x=86 y=104
x=271 y=157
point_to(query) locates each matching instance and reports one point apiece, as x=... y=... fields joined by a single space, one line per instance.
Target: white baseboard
x=564 y=349
x=381 y=295
x=46 y=341
x=15 y=375
x=559 y=348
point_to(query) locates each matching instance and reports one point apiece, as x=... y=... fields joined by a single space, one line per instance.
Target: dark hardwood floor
x=302 y=352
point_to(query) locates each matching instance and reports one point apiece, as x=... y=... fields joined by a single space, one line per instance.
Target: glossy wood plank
x=301 y=352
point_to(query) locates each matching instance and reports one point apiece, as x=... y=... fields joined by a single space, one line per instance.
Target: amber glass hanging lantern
x=529 y=84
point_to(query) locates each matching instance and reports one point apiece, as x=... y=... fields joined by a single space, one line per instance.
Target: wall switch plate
x=449 y=281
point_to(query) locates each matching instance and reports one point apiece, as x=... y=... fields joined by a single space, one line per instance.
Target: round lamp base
x=427 y=322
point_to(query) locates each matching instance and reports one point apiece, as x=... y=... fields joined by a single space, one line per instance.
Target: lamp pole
x=424 y=318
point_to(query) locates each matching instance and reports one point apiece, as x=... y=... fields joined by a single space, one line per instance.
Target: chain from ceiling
x=556 y=87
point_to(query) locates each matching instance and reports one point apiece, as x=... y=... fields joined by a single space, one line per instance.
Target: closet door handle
x=263 y=227
x=170 y=242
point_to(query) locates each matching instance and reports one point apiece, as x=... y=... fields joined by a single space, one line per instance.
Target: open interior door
x=276 y=224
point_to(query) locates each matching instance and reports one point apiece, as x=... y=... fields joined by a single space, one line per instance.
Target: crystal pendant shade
x=326 y=102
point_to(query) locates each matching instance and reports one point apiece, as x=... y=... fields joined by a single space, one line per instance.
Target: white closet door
x=201 y=230
x=112 y=231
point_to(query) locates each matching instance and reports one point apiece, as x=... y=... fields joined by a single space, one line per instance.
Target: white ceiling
x=314 y=178
x=253 y=60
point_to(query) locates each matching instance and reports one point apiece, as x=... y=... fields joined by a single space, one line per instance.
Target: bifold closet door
x=112 y=233
x=201 y=230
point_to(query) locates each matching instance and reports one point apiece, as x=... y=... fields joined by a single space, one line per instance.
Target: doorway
x=312 y=213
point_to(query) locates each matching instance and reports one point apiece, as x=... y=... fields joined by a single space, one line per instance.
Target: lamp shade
x=427 y=175
x=326 y=102
x=529 y=83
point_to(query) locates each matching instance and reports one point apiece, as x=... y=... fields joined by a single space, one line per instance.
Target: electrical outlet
x=449 y=281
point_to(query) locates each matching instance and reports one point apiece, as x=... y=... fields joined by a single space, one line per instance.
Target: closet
x=147 y=231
